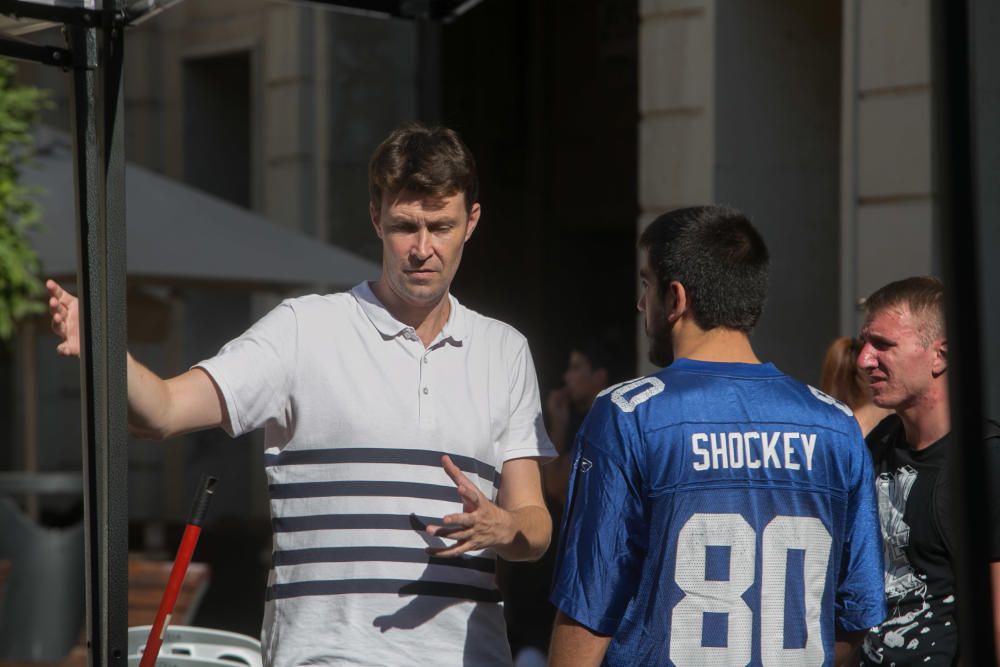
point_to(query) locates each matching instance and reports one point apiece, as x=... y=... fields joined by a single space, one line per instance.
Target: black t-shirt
x=914 y=508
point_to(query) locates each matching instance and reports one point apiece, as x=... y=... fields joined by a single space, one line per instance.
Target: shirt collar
x=726 y=368
x=455 y=328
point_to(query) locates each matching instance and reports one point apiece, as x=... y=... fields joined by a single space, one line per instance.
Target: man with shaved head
x=905 y=356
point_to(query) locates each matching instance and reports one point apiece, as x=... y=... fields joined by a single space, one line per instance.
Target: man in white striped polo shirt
x=403 y=436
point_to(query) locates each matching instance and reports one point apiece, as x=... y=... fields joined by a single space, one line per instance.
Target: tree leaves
x=21 y=288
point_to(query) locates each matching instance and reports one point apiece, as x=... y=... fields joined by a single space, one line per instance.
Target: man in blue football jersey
x=720 y=513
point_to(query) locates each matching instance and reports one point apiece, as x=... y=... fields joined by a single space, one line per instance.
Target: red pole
x=177 y=572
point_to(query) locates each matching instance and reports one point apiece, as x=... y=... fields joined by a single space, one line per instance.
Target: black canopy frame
x=434 y=10
x=95 y=56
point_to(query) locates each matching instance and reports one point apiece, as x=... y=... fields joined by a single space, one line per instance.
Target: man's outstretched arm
x=574 y=645
x=157 y=408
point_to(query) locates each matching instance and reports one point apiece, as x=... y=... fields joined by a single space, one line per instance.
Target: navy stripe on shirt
x=363 y=488
x=419 y=457
x=401 y=587
x=292 y=524
x=379 y=554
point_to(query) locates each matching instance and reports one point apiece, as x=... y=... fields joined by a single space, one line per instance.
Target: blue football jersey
x=720 y=514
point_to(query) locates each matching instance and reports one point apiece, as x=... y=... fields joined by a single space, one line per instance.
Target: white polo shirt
x=357 y=414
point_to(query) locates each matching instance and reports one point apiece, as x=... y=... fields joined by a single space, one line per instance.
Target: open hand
x=65 y=311
x=481 y=524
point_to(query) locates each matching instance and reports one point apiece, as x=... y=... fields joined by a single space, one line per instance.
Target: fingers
x=453 y=470
x=466 y=489
x=56 y=292
x=58 y=309
x=59 y=301
x=58 y=297
x=63 y=310
x=462 y=519
x=464 y=527
x=58 y=318
x=449 y=552
x=452 y=525
x=459 y=533
x=470 y=495
x=60 y=314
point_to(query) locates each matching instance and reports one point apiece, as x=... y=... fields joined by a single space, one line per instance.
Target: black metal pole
x=83 y=44
x=115 y=458
x=46 y=55
x=99 y=180
x=956 y=210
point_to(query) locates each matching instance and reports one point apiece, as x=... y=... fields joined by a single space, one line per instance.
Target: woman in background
x=842 y=379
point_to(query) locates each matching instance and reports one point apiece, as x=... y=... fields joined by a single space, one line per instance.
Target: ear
x=940 y=363
x=676 y=304
x=601 y=377
x=375 y=213
x=474 y=214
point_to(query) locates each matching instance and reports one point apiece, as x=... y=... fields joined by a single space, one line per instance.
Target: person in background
x=592 y=366
x=842 y=379
x=594 y=362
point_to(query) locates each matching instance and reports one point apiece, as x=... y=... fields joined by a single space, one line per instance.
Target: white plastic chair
x=185 y=646
x=182 y=661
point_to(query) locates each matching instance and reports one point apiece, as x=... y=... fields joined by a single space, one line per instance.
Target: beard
x=661 y=347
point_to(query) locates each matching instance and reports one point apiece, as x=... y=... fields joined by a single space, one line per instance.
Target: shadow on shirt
x=423 y=607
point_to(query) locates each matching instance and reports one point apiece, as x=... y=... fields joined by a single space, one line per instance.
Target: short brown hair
x=923 y=296
x=841 y=377
x=428 y=162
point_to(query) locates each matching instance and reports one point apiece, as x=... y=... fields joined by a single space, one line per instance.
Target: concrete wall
x=676 y=112
x=718 y=99
x=738 y=105
x=886 y=216
x=325 y=88
x=777 y=123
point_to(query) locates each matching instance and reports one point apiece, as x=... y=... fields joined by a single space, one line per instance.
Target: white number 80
x=701 y=595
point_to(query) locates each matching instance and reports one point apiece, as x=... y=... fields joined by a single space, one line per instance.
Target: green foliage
x=20 y=287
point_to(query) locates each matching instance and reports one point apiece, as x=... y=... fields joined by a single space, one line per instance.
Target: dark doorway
x=545 y=94
x=218 y=153
x=217 y=118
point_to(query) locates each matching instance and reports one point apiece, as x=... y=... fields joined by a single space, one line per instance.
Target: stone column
x=886 y=211
x=676 y=120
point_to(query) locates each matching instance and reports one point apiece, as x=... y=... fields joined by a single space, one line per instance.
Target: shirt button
x=426 y=360
x=426 y=391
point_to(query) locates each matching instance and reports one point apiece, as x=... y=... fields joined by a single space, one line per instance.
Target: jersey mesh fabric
x=720 y=514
